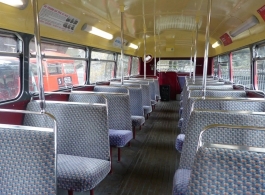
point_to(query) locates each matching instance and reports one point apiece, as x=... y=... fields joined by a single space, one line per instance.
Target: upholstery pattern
x=179 y=142
x=137 y=120
x=136 y=101
x=110 y=89
x=87 y=98
x=80 y=126
x=80 y=173
x=198 y=103
x=27 y=160
x=200 y=119
x=225 y=171
x=119 y=138
x=181 y=181
x=157 y=89
x=147 y=109
x=146 y=95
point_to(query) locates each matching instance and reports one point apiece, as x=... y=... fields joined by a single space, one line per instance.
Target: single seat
x=83 y=143
x=28 y=164
x=137 y=113
x=119 y=116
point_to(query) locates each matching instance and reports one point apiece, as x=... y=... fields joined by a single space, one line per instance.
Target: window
x=260 y=61
x=174 y=65
x=126 y=60
x=9 y=67
x=101 y=66
x=215 y=66
x=61 y=66
x=135 y=66
x=241 y=67
x=224 y=67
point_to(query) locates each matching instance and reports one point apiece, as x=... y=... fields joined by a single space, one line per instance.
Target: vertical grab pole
x=38 y=54
x=144 y=53
x=191 y=48
x=122 y=40
x=205 y=64
x=195 y=53
x=155 y=36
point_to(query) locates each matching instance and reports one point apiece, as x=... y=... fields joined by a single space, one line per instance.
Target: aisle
x=148 y=166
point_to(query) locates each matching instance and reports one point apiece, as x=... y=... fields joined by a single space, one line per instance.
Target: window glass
x=96 y=55
x=174 y=65
x=261 y=67
x=8 y=44
x=55 y=49
x=9 y=68
x=101 y=66
x=101 y=71
x=58 y=73
x=224 y=67
x=135 y=66
x=126 y=60
x=241 y=66
x=261 y=51
x=261 y=74
x=9 y=78
x=215 y=64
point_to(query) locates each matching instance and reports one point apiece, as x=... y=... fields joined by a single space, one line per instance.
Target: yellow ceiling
x=174 y=26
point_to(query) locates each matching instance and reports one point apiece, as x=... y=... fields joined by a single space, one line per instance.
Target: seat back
x=209 y=103
x=82 y=128
x=119 y=114
x=228 y=165
x=110 y=89
x=28 y=159
x=200 y=119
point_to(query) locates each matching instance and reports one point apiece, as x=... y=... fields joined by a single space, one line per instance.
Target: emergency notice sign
x=52 y=17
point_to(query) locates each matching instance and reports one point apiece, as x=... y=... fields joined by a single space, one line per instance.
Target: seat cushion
x=80 y=173
x=179 y=142
x=147 y=109
x=137 y=121
x=180 y=122
x=181 y=181
x=153 y=102
x=119 y=138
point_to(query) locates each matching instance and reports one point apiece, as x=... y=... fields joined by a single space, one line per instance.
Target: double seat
x=83 y=149
x=199 y=120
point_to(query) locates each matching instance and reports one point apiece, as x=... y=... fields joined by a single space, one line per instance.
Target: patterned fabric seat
x=199 y=119
x=179 y=142
x=227 y=171
x=82 y=132
x=78 y=173
x=119 y=115
x=27 y=160
x=110 y=89
x=137 y=121
x=181 y=181
x=119 y=138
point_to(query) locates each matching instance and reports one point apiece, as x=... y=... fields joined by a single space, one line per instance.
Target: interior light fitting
x=95 y=31
x=21 y=4
x=131 y=45
x=252 y=21
x=216 y=44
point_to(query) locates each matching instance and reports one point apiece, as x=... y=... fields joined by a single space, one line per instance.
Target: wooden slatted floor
x=149 y=164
